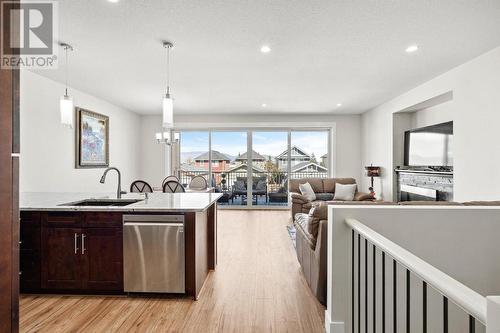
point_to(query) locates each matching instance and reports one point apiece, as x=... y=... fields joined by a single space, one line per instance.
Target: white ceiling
x=323 y=52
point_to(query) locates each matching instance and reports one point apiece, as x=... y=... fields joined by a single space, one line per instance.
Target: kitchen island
x=75 y=242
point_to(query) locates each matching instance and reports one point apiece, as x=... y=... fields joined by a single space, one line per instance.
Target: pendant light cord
x=67 y=70
x=168 y=69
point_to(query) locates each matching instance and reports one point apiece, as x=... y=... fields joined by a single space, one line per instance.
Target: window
x=253 y=167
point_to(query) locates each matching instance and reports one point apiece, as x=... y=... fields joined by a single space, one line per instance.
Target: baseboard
x=333 y=326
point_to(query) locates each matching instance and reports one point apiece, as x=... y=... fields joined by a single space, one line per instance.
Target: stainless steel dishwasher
x=153 y=253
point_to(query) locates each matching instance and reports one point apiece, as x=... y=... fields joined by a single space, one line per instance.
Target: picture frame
x=92 y=139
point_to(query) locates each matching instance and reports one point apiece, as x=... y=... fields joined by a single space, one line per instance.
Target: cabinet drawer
x=102 y=219
x=61 y=219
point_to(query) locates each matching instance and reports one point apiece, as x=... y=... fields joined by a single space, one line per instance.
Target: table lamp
x=372 y=171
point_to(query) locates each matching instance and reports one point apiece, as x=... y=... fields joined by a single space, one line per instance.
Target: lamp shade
x=372 y=171
x=66 y=108
x=168 y=112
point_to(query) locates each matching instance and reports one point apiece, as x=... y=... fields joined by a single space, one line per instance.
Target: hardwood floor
x=257 y=287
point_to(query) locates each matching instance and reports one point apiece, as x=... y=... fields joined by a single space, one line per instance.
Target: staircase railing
x=480 y=310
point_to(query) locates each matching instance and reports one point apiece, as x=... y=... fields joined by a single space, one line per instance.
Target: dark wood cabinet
x=66 y=251
x=29 y=252
x=102 y=259
x=61 y=258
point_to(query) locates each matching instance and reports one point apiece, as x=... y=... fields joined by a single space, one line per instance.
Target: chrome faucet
x=119 y=191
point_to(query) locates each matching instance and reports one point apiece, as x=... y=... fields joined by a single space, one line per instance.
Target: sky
x=265 y=143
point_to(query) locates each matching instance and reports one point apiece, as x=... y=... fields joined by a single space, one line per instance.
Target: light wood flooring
x=258 y=287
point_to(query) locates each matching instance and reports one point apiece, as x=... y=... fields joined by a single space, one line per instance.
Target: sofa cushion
x=344 y=192
x=360 y=196
x=482 y=203
x=324 y=196
x=316 y=184
x=362 y=203
x=307 y=191
x=429 y=203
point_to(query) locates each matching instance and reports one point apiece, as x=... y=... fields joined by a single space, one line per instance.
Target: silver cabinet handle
x=83 y=243
x=76 y=243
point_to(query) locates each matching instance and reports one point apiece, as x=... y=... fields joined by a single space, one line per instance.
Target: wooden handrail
x=464 y=297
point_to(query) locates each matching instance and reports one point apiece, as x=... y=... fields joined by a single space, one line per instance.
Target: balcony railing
x=224 y=181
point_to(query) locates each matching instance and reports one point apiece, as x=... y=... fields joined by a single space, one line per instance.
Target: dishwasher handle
x=152 y=224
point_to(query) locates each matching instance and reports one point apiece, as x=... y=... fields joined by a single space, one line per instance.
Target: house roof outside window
x=255 y=157
x=216 y=156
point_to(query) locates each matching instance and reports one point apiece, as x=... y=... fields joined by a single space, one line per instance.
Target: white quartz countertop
x=156 y=202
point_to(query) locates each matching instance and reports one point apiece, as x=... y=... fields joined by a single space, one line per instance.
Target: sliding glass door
x=229 y=167
x=252 y=167
x=309 y=157
x=271 y=184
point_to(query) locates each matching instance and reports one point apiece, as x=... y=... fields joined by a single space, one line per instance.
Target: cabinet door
x=29 y=257
x=102 y=259
x=61 y=258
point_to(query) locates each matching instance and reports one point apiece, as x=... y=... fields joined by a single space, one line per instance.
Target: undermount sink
x=103 y=202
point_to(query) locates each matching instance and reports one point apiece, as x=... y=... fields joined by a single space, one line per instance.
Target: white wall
x=435 y=115
x=154 y=162
x=347 y=141
x=475 y=112
x=48 y=148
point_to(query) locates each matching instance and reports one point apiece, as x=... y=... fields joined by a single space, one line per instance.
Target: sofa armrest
x=298 y=198
x=362 y=196
x=321 y=253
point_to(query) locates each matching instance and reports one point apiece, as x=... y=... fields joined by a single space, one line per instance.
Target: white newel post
x=493 y=314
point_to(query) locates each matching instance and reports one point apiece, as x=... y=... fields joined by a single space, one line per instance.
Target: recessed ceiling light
x=339 y=105
x=114 y=1
x=412 y=48
x=265 y=49
x=264 y=105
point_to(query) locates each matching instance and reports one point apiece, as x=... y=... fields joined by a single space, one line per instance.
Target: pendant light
x=168 y=105
x=66 y=103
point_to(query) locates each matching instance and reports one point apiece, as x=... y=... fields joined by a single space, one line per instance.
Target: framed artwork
x=92 y=139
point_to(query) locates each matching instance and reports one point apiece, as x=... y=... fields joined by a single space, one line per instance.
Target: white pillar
x=493 y=314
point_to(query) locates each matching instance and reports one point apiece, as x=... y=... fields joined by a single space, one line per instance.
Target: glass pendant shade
x=66 y=109
x=168 y=112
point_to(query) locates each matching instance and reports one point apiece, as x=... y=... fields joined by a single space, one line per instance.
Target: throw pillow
x=307 y=191
x=302 y=220
x=344 y=192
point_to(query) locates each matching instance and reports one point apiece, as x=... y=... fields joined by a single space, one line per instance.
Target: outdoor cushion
x=239 y=185
x=261 y=185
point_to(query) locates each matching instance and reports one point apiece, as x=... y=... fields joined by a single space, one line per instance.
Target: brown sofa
x=311 y=249
x=324 y=188
x=311 y=243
